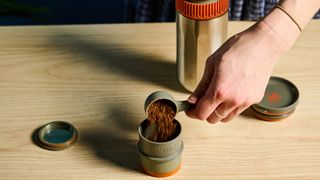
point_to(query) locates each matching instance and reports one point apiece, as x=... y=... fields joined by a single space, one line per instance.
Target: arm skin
x=237 y=74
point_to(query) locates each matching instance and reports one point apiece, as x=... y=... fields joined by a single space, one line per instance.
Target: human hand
x=237 y=74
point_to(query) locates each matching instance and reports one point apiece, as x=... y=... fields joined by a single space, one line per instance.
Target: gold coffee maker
x=201 y=29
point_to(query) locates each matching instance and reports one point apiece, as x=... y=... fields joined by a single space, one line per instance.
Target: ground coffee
x=160 y=115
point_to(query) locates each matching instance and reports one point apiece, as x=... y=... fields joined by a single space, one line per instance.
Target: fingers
x=221 y=112
x=204 y=108
x=234 y=113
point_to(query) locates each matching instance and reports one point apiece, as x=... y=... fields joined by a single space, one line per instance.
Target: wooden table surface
x=97 y=78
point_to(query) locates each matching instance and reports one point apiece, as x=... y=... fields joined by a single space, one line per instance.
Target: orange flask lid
x=202 y=11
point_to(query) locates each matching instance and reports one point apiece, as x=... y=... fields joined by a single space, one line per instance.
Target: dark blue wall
x=71 y=12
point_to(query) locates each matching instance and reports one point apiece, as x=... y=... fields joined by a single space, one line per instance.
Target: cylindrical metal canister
x=201 y=29
x=160 y=159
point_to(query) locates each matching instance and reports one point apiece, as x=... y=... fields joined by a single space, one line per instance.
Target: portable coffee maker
x=201 y=29
x=161 y=159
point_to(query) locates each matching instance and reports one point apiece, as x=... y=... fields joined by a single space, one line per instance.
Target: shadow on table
x=248 y=114
x=111 y=141
x=35 y=136
x=108 y=56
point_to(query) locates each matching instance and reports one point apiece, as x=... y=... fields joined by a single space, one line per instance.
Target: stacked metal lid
x=279 y=102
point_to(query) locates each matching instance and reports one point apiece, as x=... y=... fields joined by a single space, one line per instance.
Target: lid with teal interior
x=57 y=135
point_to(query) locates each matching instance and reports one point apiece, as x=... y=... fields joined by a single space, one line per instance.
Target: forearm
x=284 y=28
x=301 y=10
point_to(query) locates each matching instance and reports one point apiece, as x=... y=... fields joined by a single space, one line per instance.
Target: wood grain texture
x=97 y=78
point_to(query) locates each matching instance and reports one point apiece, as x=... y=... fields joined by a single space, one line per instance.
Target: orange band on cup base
x=170 y=173
x=268 y=119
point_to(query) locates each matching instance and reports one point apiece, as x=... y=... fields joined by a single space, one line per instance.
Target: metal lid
x=272 y=118
x=280 y=98
x=57 y=135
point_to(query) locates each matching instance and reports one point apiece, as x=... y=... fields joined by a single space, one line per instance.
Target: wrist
x=281 y=28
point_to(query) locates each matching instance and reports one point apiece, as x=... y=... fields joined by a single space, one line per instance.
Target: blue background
x=71 y=12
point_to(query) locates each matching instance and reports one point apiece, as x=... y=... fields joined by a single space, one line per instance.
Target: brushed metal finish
x=159 y=157
x=196 y=41
x=158 y=149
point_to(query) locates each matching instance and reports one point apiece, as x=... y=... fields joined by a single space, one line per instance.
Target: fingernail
x=192 y=99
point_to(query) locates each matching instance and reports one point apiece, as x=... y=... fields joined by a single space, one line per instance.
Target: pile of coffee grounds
x=160 y=116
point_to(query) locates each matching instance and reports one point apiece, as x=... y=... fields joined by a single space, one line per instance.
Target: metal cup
x=160 y=159
x=161 y=95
